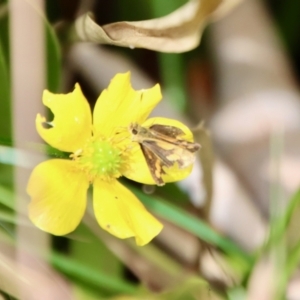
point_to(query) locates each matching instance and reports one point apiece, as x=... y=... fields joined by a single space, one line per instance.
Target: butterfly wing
x=162 y=147
x=172 y=135
x=154 y=164
x=169 y=153
x=167 y=130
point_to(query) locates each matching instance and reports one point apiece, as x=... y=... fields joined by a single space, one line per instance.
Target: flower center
x=101 y=158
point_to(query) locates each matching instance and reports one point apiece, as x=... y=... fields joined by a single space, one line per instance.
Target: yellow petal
x=72 y=122
x=119 y=212
x=139 y=170
x=58 y=196
x=120 y=104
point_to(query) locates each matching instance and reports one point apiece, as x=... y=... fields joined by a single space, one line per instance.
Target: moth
x=163 y=146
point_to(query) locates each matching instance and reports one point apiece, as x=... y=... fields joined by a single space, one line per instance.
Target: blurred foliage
x=175 y=86
x=89 y=263
x=286 y=14
x=6 y=171
x=53 y=60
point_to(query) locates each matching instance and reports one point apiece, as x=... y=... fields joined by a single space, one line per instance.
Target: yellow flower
x=101 y=153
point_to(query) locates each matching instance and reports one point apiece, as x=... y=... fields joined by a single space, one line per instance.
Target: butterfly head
x=134 y=128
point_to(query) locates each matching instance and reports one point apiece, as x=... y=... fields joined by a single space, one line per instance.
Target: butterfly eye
x=134 y=131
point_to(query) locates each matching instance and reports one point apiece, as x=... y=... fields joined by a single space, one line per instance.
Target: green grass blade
x=6 y=197
x=89 y=276
x=172 y=67
x=6 y=172
x=53 y=59
x=191 y=224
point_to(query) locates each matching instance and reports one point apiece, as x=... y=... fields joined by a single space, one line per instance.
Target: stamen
x=104 y=158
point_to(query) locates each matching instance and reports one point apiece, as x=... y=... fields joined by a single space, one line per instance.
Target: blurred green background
x=193 y=258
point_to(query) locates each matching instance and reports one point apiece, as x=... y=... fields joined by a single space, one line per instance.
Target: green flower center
x=101 y=158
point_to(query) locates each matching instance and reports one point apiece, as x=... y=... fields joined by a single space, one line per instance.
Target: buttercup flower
x=102 y=151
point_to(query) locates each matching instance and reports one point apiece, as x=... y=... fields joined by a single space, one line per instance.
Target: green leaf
x=89 y=276
x=92 y=252
x=287 y=226
x=290 y=235
x=283 y=245
x=5 y=122
x=292 y=217
x=53 y=59
x=4 y=30
x=6 y=197
x=190 y=289
x=7 y=216
x=6 y=172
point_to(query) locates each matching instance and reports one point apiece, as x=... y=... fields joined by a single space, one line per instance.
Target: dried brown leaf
x=179 y=31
